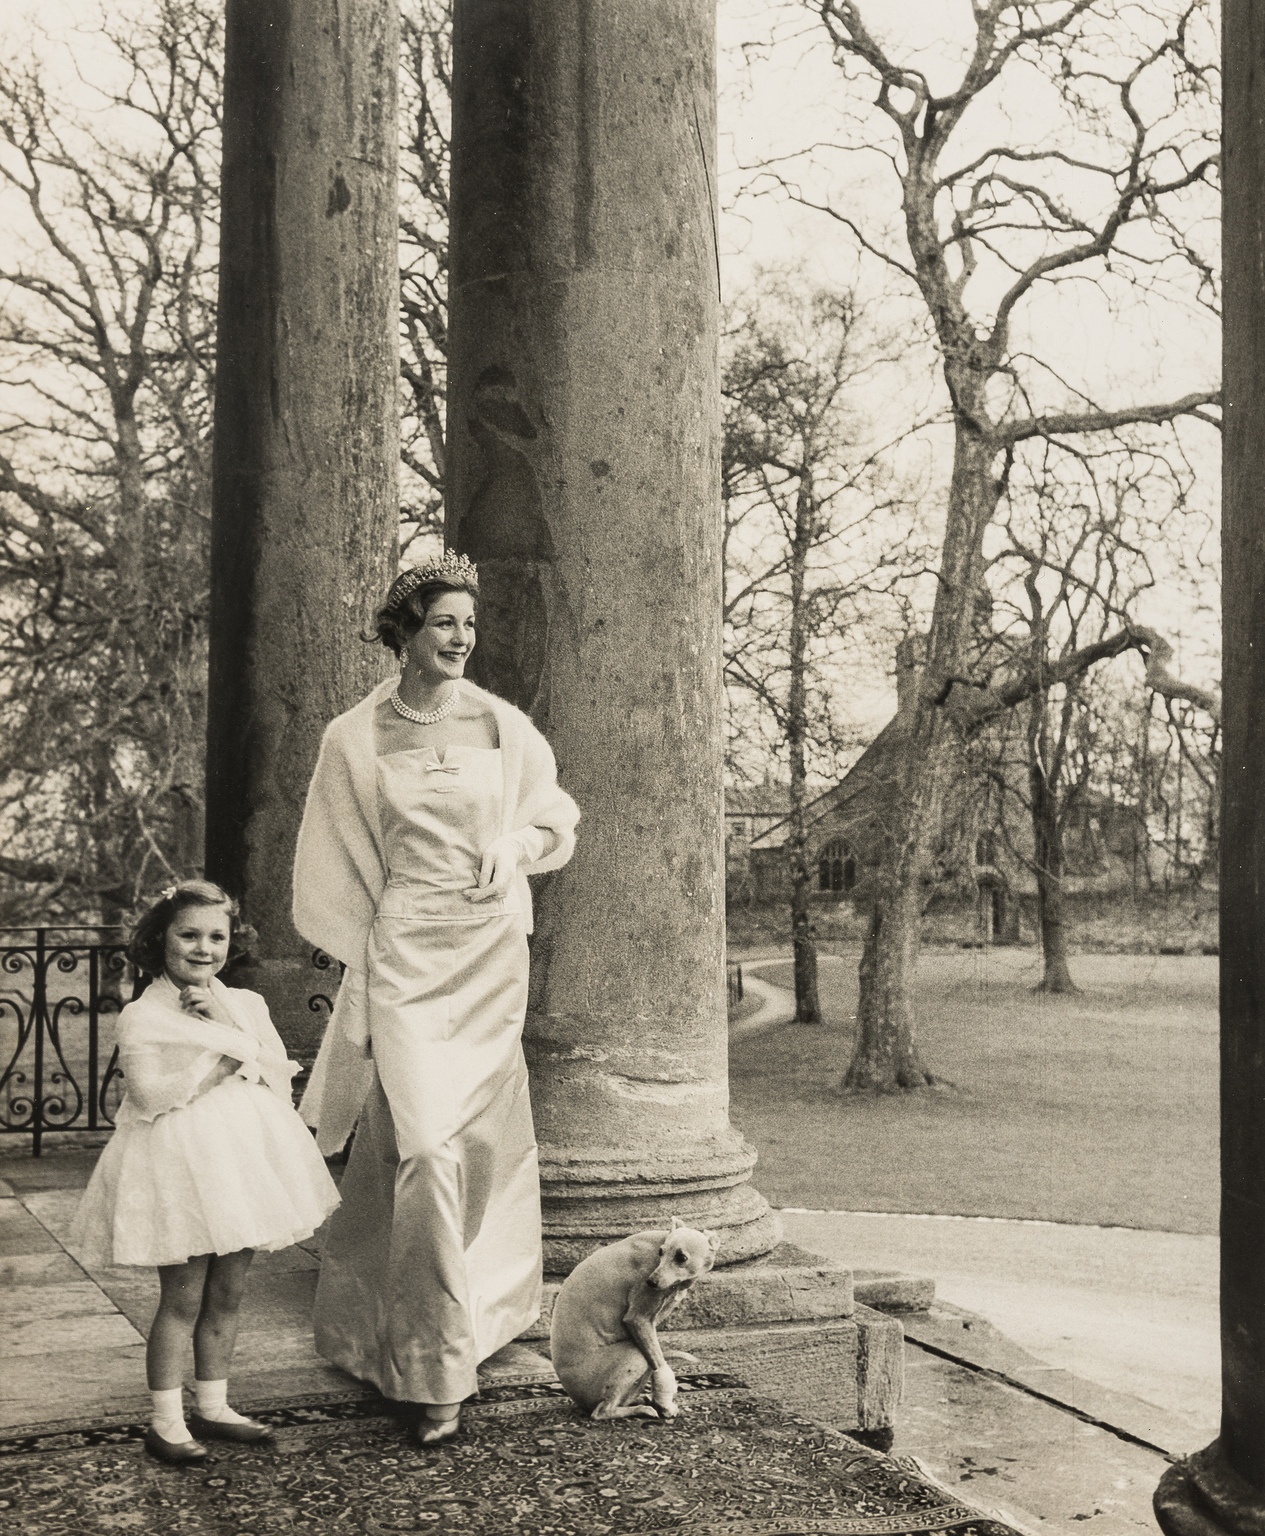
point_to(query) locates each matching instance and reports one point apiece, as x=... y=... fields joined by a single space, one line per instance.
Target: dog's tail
x=680 y=1354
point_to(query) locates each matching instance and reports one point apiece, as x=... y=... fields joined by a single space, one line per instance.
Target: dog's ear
x=676 y=1224
x=713 y=1239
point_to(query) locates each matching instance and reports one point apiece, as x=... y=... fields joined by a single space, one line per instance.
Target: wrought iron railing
x=322 y=1002
x=59 y=989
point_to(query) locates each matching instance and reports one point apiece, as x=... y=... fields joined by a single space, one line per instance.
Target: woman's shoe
x=179 y=1453
x=251 y=1432
x=438 y=1424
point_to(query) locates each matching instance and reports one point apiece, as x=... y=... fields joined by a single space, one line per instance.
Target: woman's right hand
x=501 y=859
x=497 y=870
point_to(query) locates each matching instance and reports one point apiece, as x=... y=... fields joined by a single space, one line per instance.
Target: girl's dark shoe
x=249 y=1433
x=178 y=1453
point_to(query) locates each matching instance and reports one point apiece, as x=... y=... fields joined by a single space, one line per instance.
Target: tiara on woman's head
x=450 y=566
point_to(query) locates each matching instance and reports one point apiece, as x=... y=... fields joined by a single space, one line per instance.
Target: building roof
x=862 y=792
x=767 y=799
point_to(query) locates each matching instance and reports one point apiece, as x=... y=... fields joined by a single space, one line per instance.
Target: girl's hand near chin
x=202 y=1004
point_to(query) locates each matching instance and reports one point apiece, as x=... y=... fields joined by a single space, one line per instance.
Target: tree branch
x=985 y=702
x=1070 y=423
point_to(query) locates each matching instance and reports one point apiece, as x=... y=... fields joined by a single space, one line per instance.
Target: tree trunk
x=112 y=861
x=131 y=530
x=885 y=1058
x=804 y=948
x=1047 y=837
x=803 y=942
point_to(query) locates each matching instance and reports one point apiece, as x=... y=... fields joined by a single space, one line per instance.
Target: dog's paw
x=663 y=1391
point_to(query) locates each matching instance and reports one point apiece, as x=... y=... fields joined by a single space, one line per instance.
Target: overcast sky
x=781 y=94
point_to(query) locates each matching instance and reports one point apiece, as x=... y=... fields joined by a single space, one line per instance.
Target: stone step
x=790 y=1326
x=891 y=1291
x=790 y=1285
x=847 y=1372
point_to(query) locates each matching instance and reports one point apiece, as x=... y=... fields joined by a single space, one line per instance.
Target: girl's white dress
x=208 y=1154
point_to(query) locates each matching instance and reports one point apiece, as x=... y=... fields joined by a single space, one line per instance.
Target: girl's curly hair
x=147 y=948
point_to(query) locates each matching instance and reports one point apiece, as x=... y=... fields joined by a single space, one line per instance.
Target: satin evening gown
x=433 y=1259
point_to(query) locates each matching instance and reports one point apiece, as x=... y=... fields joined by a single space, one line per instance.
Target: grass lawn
x=1097 y=1108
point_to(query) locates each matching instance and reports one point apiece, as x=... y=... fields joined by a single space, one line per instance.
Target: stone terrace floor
x=1040 y=1447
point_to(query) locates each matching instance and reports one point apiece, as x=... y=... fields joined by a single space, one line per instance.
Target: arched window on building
x=985 y=850
x=836 y=867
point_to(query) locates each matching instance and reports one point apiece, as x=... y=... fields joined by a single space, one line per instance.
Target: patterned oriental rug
x=732 y=1464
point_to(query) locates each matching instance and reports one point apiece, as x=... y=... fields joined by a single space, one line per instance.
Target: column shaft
x=1222 y=1488
x=1243 y=807
x=305 y=501
x=583 y=463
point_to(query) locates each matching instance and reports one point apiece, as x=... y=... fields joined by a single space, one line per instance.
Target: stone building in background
x=750 y=812
x=981 y=887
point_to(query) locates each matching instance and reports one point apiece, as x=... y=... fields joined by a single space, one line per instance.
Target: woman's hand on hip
x=496 y=873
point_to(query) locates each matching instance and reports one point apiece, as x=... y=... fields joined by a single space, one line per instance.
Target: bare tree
x=1155 y=768
x=106 y=335
x=425 y=158
x=803 y=564
x=1078 y=533
x=1182 y=762
x=995 y=222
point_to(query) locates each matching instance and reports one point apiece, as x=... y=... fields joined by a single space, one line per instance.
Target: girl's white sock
x=168 y=1416
x=212 y=1399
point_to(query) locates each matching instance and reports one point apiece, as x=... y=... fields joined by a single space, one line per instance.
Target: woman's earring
x=403 y=658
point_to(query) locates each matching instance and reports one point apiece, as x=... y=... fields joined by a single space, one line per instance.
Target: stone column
x=583 y=465
x=1222 y=1488
x=305 y=501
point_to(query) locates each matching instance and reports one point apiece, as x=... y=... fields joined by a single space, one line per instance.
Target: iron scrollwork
x=322 y=1002
x=52 y=1079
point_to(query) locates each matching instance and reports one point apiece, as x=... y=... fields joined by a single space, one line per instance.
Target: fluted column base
x=600 y=1196
x=1204 y=1496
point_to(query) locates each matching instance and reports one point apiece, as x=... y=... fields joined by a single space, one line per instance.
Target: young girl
x=208 y=1162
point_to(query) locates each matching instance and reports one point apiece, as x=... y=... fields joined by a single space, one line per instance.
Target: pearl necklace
x=424 y=716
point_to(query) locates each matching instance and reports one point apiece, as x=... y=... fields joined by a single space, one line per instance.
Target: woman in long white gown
x=430 y=803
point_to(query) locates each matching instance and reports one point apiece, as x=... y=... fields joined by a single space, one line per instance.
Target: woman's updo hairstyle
x=413 y=593
x=147 y=948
